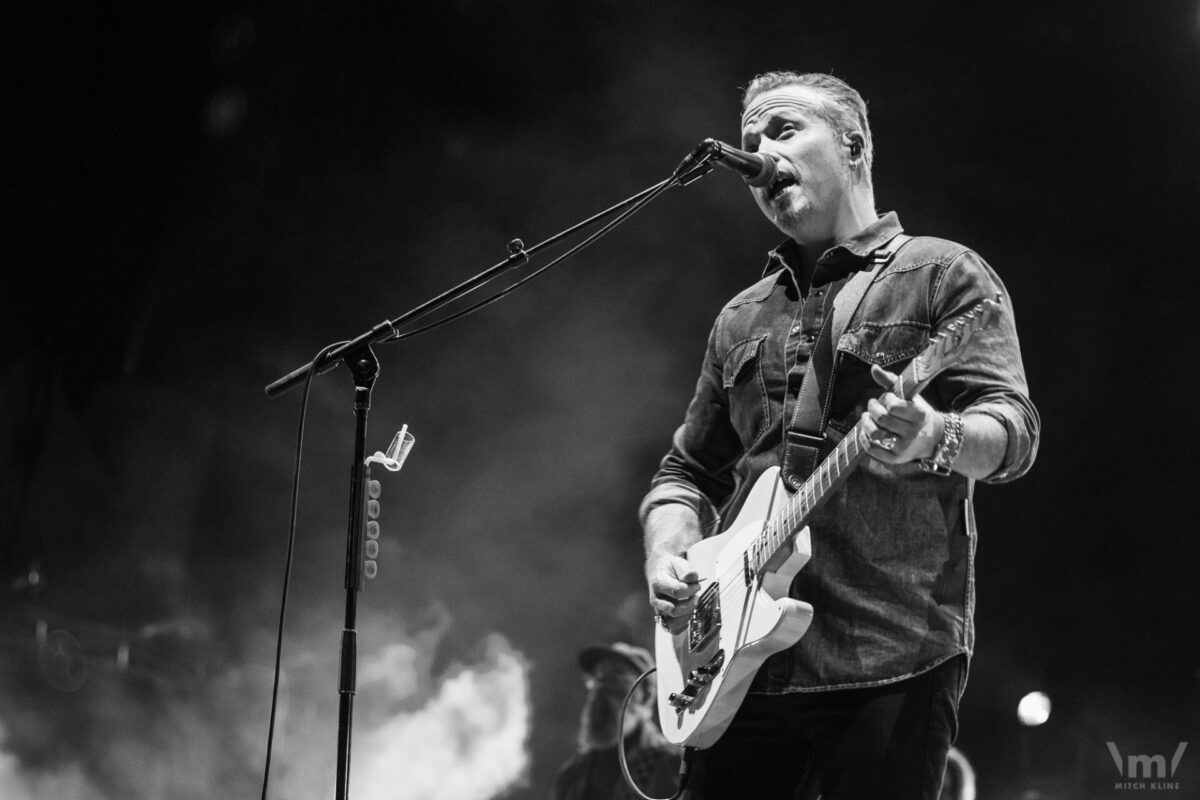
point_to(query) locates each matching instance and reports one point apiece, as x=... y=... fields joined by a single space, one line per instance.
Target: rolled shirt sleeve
x=991 y=380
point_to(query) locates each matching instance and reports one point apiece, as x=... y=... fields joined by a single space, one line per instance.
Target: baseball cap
x=637 y=657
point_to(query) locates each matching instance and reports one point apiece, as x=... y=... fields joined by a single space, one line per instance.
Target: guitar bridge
x=697 y=679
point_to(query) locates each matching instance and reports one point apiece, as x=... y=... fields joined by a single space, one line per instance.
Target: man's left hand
x=897 y=430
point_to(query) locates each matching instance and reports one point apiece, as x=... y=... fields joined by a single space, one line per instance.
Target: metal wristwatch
x=942 y=460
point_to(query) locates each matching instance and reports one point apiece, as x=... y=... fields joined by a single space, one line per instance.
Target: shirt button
x=796 y=329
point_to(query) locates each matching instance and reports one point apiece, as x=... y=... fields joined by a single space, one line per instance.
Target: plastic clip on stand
x=392 y=461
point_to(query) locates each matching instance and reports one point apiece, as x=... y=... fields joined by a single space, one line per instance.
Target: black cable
x=685 y=763
x=624 y=215
x=287 y=568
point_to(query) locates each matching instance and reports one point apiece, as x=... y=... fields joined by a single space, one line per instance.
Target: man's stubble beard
x=789 y=217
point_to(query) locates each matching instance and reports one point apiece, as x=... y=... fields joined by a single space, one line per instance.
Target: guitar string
x=810 y=489
x=808 y=495
x=830 y=470
x=940 y=340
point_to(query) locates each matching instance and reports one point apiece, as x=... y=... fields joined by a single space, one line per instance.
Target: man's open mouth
x=779 y=184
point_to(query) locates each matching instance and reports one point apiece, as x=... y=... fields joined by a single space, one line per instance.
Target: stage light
x=1034 y=709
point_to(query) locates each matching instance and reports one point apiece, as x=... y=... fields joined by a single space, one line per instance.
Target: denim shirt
x=891 y=578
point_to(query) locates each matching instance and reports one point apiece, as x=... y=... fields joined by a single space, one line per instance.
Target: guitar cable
x=685 y=763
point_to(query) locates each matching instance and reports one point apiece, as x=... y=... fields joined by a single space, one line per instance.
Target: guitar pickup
x=706 y=619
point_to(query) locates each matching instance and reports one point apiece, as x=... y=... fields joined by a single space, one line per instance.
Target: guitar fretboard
x=808 y=498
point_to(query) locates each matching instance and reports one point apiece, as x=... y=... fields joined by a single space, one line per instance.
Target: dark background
x=204 y=194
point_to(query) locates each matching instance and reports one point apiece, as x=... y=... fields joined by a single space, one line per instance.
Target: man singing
x=865 y=705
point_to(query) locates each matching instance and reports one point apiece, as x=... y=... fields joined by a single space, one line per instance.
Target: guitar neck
x=811 y=495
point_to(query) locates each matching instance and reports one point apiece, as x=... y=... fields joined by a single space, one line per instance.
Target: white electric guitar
x=743 y=612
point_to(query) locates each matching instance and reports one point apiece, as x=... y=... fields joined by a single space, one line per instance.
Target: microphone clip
x=698 y=163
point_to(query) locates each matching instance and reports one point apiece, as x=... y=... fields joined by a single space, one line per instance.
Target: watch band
x=942 y=460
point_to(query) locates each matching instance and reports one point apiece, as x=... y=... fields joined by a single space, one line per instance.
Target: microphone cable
x=287 y=567
x=657 y=190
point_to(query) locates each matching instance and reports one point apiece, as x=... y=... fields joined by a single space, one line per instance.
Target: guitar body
x=705 y=670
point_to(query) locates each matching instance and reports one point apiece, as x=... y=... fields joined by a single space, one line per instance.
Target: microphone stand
x=358 y=357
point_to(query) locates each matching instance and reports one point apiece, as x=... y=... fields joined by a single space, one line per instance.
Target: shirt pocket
x=742 y=378
x=891 y=346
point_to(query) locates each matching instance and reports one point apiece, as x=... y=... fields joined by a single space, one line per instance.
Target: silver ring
x=886 y=443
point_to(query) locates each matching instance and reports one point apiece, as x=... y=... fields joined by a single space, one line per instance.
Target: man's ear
x=854 y=141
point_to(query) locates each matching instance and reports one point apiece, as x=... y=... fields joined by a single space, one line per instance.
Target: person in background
x=594 y=772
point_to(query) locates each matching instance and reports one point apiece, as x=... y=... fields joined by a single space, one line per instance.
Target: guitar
x=743 y=612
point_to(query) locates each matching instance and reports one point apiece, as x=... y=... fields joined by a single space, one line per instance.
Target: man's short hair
x=845 y=110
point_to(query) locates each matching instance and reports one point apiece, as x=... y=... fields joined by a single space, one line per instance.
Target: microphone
x=756 y=169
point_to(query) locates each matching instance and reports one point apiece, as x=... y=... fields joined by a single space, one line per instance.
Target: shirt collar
x=848 y=255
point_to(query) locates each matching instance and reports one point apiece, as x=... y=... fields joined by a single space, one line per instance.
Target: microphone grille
x=769 y=170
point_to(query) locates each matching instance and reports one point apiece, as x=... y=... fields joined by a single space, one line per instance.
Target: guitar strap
x=805 y=437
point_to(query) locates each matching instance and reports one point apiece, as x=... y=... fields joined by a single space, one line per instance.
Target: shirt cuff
x=1019 y=450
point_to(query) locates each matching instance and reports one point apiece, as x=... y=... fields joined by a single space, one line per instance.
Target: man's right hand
x=673 y=584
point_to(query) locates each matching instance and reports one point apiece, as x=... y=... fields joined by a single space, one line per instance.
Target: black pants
x=884 y=742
